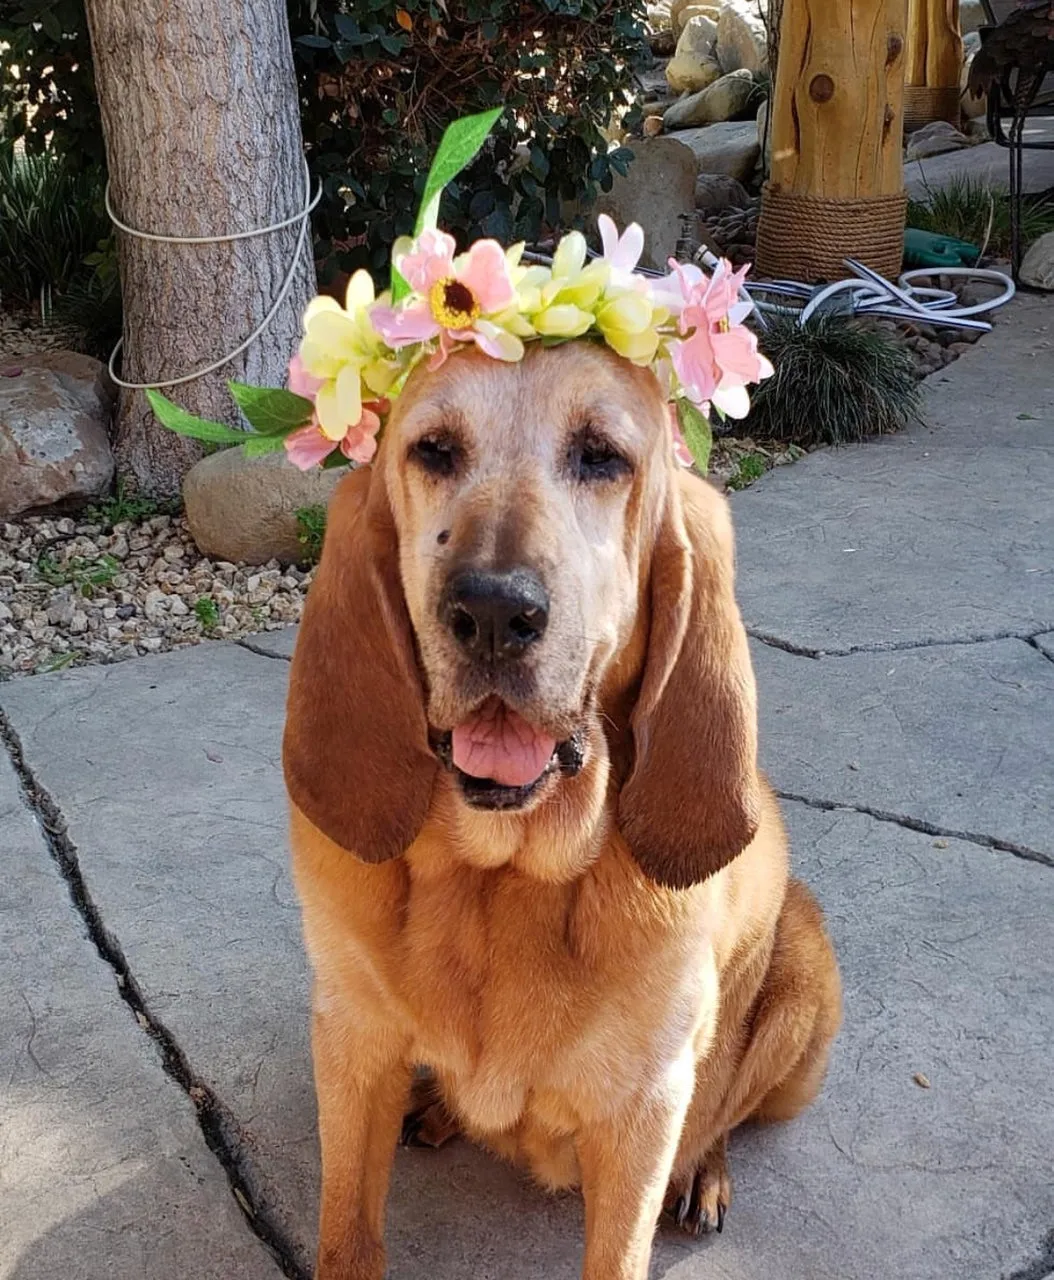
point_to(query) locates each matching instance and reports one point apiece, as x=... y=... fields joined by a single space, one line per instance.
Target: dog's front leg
x=362 y=1078
x=626 y=1165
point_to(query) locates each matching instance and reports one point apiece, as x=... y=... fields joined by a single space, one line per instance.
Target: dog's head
x=519 y=592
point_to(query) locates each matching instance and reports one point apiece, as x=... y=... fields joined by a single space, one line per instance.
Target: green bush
x=47 y=89
x=381 y=79
x=51 y=218
x=837 y=381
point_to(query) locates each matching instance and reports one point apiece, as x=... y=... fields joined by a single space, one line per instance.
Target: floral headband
x=354 y=359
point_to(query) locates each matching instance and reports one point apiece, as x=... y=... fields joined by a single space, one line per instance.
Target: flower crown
x=354 y=359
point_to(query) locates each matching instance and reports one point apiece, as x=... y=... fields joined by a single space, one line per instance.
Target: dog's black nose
x=495 y=615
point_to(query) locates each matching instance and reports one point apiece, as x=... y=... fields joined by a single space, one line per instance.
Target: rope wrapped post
x=836 y=188
x=934 y=63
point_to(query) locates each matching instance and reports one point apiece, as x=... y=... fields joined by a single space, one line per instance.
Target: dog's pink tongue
x=497 y=743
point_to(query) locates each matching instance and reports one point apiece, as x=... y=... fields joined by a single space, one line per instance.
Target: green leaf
x=695 y=427
x=256 y=446
x=186 y=424
x=400 y=288
x=459 y=146
x=273 y=411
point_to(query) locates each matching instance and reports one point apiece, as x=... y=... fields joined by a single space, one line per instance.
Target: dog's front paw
x=698 y=1198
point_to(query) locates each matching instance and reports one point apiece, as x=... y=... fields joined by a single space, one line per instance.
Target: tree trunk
x=836 y=184
x=200 y=112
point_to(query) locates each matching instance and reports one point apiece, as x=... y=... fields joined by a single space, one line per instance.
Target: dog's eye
x=592 y=458
x=438 y=455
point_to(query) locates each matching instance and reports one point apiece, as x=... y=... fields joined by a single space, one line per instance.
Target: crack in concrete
x=1034 y=642
x=218 y=1126
x=894 y=646
x=281 y=657
x=922 y=826
x=1041 y=1268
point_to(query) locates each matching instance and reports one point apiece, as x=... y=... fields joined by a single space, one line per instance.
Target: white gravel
x=75 y=592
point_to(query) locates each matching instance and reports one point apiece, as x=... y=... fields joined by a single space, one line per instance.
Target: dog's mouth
x=501 y=760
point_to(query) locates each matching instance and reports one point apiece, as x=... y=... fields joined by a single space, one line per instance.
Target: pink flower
x=454 y=298
x=720 y=357
x=302 y=383
x=622 y=252
x=309 y=446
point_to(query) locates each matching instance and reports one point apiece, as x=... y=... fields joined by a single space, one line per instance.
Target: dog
x=531 y=843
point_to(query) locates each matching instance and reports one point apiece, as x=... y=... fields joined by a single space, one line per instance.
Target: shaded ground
x=901 y=599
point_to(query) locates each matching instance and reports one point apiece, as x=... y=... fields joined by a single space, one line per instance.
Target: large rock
x=742 y=41
x=725 y=99
x=715 y=192
x=730 y=147
x=682 y=10
x=241 y=508
x=934 y=139
x=54 y=431
x=1037 y=269
x=658 y=190
x=693 y=66
x=764 y=134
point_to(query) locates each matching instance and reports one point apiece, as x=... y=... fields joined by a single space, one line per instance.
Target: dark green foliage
x=125 y=505
x=51 y=218
x=980 y=214
x=380 y=81
x=207 y=612
x=310 y=531
x=51 y=102
x=752 y=466
x=836 y=381
x=85 y=575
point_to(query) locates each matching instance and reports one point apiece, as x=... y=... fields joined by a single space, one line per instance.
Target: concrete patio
x=157 y=1117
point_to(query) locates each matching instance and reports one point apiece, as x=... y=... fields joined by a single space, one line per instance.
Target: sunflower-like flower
x=454 y=299
x=343 y=356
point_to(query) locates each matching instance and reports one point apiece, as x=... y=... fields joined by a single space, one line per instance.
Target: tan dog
x=531 y=843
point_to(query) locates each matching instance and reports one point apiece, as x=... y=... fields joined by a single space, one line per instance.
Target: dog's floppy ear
x=692 y=801
x=356 y=755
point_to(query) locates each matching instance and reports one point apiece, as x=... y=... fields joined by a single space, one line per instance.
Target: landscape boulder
x=244 y=509
x=55 y=411
x=742 y=42
x=725 y=99
x=693 y=66
x=1037 y=269
x=656 y=192
x=730 y=148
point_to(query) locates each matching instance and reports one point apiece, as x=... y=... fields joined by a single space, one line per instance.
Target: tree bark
x=837 y=101
x=200 y=112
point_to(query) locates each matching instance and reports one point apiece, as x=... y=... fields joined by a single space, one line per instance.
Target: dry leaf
x=404 y=20
x=940 y=844
x=922 y=1081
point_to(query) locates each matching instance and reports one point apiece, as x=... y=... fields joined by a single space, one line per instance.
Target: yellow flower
x=341 y=347
x=629 y=324
x=566 y=300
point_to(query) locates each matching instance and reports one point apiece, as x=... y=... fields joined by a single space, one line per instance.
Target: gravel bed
x=73 y=592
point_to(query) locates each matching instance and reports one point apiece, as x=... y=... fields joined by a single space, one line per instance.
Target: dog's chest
x=528 y=996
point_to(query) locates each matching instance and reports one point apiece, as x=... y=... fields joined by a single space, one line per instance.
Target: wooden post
x=934 y=63
x=836 y=188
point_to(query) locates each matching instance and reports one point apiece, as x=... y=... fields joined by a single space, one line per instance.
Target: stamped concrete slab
x=168 y=772
x=944 y=533
x=958 y=736
x=104 y=1174
x=986 y=164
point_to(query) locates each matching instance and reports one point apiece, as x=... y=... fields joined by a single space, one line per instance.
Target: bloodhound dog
x=533 y=849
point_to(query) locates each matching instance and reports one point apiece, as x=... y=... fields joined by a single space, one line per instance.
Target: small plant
x=207 y=612
x=125 y=505
x=59 y=662
x=51 y=217
x=751 y=467
x=836 y=381
x=980 y=214
x=86 y=575
x=310 y=531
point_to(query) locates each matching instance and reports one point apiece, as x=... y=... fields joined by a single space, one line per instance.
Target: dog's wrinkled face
x=524 y=496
